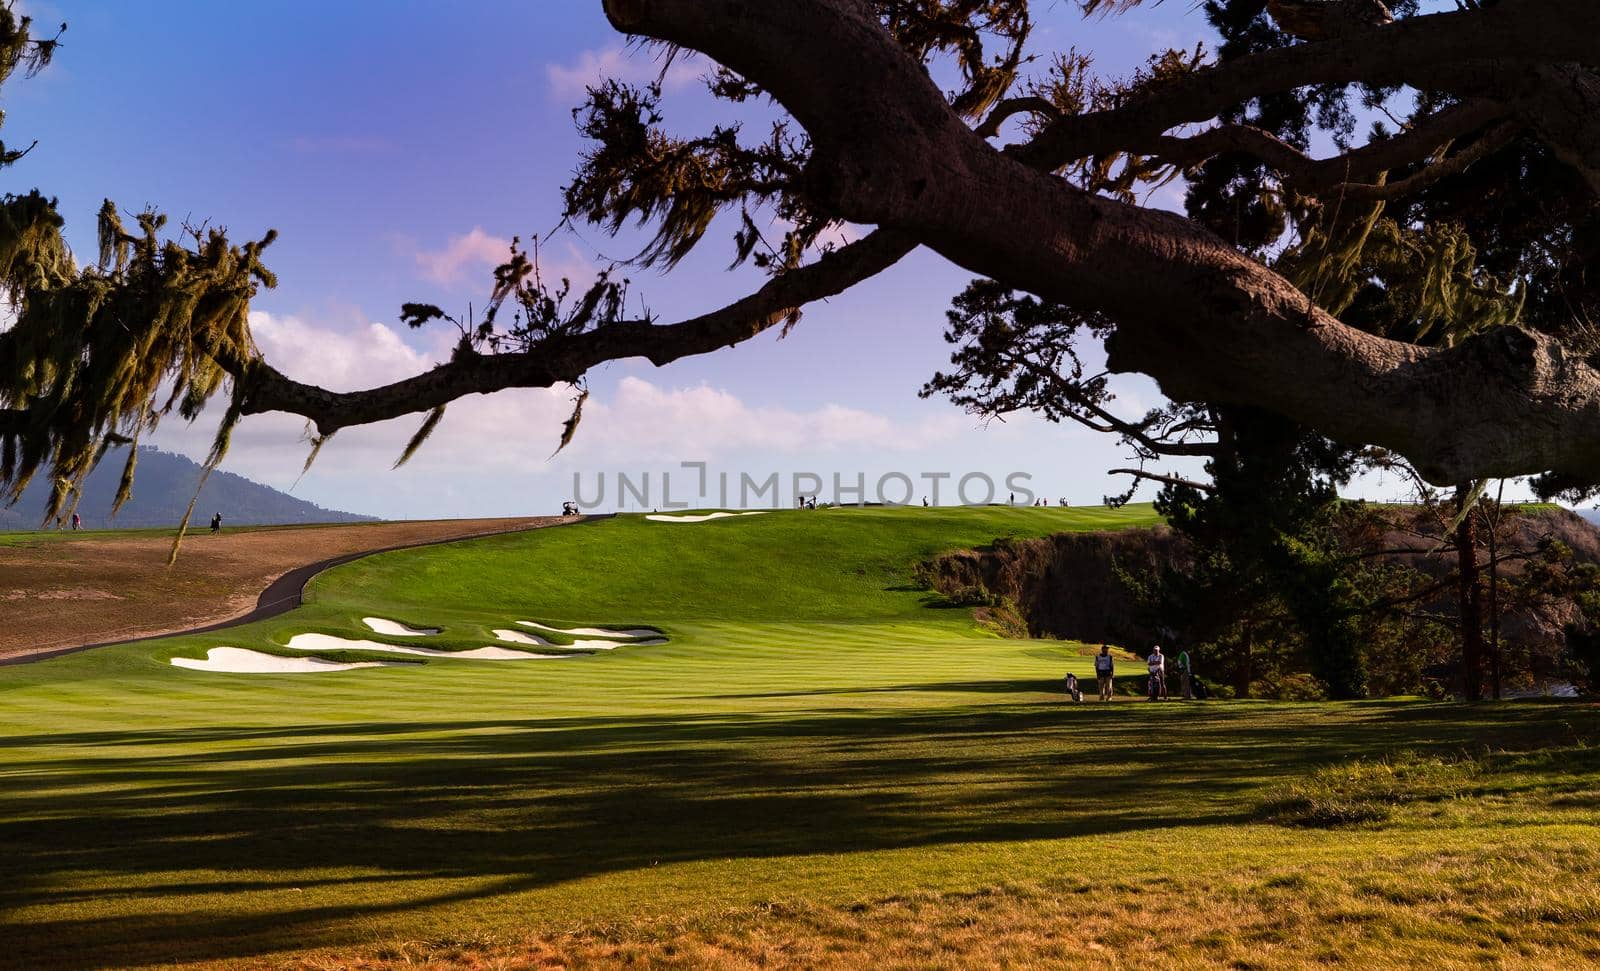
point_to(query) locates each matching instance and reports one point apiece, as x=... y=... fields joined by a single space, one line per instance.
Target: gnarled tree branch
x=1206 y=321
x=567 y=358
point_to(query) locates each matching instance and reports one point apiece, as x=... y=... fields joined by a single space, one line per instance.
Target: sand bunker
x=582 y=645
x=614 y=632
x=393 y=628
x=518 y=637
x=237 y=660
x=701 y=519
x=328 y=642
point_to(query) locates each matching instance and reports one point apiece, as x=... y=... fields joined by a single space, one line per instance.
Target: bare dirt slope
x=59 y=592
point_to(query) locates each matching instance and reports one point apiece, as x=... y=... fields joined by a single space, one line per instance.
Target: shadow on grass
x=492 y=807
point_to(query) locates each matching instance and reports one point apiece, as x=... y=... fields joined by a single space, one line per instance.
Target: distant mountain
x=162 y=487
x=1593 y=515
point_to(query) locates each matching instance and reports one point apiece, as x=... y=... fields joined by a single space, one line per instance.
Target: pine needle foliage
x=1421 y=284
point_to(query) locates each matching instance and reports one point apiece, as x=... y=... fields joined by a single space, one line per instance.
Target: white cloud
x=492 y=452
x=468 y=258
x=643 y=420
x=477 y=250
x=638 y=66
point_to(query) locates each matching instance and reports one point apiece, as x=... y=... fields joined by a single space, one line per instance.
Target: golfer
x=1104 y=667
x=1158 y=674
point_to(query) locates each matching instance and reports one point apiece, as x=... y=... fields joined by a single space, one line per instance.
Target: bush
x=1366 y=791
x=971 y=595
x=1002 y=617
x=1290 y=687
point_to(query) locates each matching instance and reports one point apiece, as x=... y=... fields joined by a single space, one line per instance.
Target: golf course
x=755 y=741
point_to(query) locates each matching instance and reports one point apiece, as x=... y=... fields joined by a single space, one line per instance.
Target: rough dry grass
x=65 y=589
x=821 y=768
x=1502 y=905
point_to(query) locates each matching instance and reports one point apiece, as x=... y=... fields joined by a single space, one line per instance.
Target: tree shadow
x=501 y=806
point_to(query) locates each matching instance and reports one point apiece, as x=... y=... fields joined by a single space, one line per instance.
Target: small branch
x=1010 y=107
x=1168 y=479
x=1491 y=142
x=1353 y=172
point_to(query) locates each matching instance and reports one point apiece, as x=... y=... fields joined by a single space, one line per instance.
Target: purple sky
x=396 y=146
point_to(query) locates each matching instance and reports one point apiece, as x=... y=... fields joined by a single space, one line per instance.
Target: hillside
x=161 y=491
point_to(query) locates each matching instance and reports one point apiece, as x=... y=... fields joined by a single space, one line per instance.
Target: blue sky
x=396 y=146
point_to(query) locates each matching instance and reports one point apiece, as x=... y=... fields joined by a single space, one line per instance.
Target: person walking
x=1158 y=674
x=1183 y=675
x=1104 y=667
x=1072 y=687
x=216 y=524
x=77 y=522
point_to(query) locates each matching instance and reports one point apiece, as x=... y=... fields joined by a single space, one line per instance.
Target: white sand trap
x=613 y=645
x=594 y=631
x=393 y=628
x=700 y=519
x=327 y=642
x=518 y=637
x=237 y=660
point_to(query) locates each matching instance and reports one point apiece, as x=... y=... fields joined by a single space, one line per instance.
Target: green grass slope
x=820 y=767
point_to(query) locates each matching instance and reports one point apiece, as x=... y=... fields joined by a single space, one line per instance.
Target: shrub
x=1002 y=617
x=971 y=595
x=1290 y=687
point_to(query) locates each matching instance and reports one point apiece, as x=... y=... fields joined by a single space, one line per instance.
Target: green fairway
x=818 y=747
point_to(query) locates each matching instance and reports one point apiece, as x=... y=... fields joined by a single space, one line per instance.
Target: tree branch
x=1011 y=107
x=567 y=358
x=1351 y=172
x=1168 y=479
x=1209 y=323
x=1475 y=52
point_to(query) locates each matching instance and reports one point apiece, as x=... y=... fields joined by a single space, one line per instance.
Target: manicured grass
x=821 y=767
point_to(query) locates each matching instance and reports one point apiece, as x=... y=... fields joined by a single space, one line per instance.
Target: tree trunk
x=1470 y=599
x=1242 y=671
x=1494 y=595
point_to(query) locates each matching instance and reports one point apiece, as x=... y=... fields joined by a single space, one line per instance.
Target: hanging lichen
x=428 y=425
x=1419 y=284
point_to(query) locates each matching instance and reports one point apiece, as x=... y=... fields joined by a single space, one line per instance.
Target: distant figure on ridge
x=1104 y=667
x=924 y=502
x=76 y=522
x=216 y=524
x=1158 y=674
